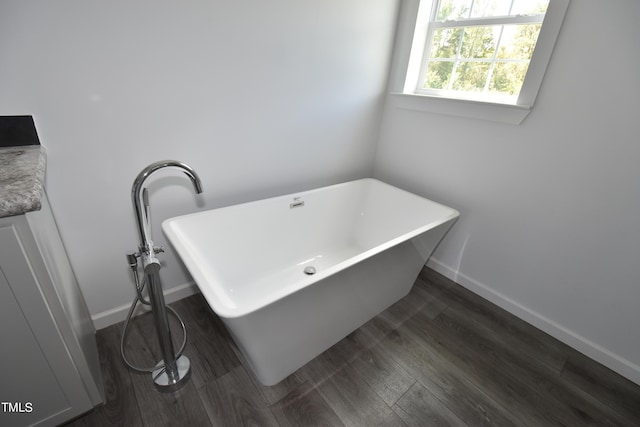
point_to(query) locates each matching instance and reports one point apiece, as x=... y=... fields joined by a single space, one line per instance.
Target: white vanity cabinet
x=49 y=366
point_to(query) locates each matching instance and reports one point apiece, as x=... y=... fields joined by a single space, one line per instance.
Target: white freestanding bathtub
x=365 y=240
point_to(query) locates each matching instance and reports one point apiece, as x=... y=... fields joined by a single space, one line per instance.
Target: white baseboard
x=596 y=352
x=118 y=314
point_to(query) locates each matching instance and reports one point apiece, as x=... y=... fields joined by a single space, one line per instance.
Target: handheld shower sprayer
x=132 y=259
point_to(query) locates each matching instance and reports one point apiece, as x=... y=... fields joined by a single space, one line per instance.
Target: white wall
x=550 y=209
x=261 y=98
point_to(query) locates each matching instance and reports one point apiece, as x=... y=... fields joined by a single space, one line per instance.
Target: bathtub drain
x=310 y=270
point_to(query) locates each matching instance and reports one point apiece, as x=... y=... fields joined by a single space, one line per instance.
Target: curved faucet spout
x=141 y=203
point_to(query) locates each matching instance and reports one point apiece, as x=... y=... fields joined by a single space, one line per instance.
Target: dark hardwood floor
x=440 y=356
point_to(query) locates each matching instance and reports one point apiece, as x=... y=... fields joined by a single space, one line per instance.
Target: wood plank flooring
x=441 y=356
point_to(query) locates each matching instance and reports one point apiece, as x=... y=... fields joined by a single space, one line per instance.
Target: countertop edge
x=22 y=184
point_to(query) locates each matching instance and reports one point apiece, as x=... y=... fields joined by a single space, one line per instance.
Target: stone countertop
x=21 y=179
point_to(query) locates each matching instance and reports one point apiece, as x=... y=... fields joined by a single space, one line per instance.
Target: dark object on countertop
x=18 y=130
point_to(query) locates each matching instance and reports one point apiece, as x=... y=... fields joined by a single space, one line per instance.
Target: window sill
x=501 y=113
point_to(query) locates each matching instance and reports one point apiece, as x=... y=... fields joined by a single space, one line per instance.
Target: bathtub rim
x=206 y=285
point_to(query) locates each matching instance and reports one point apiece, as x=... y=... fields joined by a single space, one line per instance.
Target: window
x=476 y=58
x=480 y=48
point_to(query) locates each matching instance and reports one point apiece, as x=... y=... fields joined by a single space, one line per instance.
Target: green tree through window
x=482 y=46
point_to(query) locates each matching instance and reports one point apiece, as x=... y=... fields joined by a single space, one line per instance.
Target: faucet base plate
x=161 y=380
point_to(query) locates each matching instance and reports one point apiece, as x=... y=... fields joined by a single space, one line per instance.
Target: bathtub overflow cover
x=310 y=270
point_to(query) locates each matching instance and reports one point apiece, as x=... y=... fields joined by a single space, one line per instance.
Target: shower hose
x=140 y=299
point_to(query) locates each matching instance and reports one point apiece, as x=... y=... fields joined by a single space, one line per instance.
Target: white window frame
x=411 y=41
